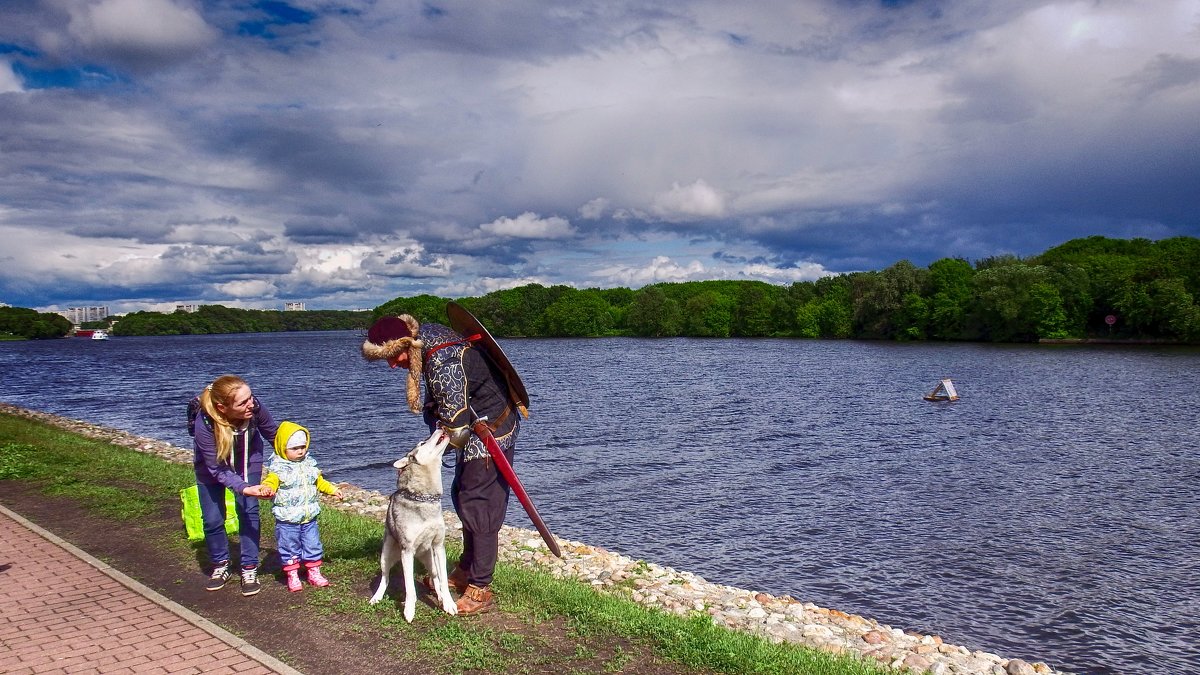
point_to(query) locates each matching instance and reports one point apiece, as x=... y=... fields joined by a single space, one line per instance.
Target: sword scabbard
x=484 y=432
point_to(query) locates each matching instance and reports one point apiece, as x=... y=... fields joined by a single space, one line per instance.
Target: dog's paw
x=450 y=608
x=378 y=596
x=409 y=612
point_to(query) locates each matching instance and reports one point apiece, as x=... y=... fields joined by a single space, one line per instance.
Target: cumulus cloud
x=8 y=79
x=660 y=269
x=666 y=269
x=406 y=261
x=693 y=201
x=807 y=271
x=485 y=285
x=594 y=209
x=529 y=225
x=138 y=31
x=252 y=288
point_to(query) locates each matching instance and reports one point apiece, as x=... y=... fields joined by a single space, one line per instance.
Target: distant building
x=293 y=306
x=190 y=309
x=81 y=315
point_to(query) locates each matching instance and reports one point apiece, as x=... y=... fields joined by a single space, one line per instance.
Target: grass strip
x=125 y=485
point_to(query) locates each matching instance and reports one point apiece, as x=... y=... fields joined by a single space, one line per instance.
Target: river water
x=1050 y=514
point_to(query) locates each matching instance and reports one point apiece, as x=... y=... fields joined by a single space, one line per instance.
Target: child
x=294 y=476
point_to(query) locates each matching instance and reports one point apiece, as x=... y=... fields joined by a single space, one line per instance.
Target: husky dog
x=414 y=525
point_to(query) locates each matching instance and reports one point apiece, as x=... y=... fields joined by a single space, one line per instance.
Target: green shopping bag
x=193 y=522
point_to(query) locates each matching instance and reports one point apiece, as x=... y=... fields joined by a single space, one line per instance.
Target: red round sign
x=1110 y=319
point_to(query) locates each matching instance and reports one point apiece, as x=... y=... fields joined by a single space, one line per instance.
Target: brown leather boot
x=457 y=581
x=476 y=600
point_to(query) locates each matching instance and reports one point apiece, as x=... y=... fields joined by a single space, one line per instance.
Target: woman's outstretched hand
x=260 y=491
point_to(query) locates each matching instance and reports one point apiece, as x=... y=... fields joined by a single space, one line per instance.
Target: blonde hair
x=221 y=391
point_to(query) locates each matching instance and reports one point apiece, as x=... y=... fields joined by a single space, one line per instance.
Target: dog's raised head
x=423 y=463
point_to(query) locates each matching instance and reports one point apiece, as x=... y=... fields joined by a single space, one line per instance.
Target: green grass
x=126 y=485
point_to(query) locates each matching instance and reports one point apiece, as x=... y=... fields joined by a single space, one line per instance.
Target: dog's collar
x=423 y=497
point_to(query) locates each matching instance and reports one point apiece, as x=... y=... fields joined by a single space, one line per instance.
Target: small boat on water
x=944 y=391
x=100 y=335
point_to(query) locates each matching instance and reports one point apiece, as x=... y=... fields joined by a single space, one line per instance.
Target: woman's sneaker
x=220 y=575
x=250 y=584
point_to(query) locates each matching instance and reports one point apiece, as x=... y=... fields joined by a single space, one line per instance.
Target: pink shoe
x=316 y=578
x=293 y=580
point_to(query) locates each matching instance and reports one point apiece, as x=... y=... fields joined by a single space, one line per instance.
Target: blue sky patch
x=277 y=14
x=83 y=77
x=9 y=48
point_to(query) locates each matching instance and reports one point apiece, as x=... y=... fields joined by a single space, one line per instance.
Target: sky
x=343 y=153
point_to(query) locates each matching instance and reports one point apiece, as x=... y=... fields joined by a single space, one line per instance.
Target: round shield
x=465 y=324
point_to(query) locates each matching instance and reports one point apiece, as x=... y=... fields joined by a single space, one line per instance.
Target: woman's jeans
x=212 y=509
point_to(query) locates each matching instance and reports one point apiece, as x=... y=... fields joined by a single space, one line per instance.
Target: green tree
x=913 y=318
x=754 y=311
x=836 y=310
x=1014 y=303
x=1172 y=310
x=950 y=284
x=1179 y=258
x=807 y=323
x=1046 y=311
x=578 y=314
x=653 y=314
x=879 y=299
x=32 y=324
x=1074 y=288
x=708 y=314
x=424 y=308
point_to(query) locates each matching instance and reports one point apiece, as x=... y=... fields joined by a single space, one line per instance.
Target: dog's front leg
x=440 y=576
x=410 y=587
x=387 y=558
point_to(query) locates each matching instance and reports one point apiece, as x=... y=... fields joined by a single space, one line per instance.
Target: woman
x=228 y=445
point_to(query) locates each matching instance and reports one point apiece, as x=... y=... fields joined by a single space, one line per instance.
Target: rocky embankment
x=776 y=618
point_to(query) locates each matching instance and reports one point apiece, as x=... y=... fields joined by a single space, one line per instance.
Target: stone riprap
x=775 y=618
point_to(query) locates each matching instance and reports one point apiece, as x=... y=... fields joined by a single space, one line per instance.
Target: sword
x=481 y=430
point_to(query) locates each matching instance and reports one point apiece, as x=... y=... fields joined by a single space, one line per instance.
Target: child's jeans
x=212 y=510
x=298 y=542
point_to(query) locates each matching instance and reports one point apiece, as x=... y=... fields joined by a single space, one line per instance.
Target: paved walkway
x=63 y=611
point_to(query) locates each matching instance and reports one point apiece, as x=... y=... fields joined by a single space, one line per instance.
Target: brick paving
x=62 y=611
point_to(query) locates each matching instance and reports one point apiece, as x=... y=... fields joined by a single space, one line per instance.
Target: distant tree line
x=1147 y=290
x=214 y=319
x=1130 y=289
x=30 y=324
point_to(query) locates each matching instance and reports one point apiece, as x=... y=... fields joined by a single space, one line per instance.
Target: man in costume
x=461 y=385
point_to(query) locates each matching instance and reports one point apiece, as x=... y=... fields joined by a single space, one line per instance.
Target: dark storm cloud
x=247 y=260
x=319 y=230
x=524 y=29
x=1166 y=71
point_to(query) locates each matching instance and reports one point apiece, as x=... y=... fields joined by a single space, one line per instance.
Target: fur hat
x=391 y=336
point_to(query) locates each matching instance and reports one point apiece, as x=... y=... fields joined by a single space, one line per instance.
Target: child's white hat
x=298 y=439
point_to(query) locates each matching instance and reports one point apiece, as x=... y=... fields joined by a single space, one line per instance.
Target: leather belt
x=494 y=425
